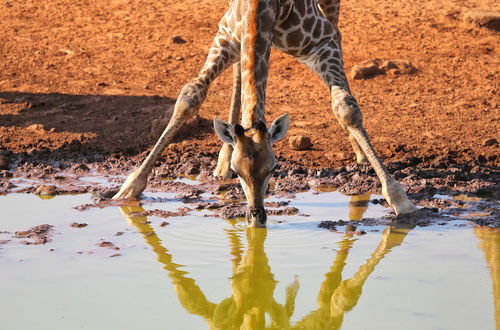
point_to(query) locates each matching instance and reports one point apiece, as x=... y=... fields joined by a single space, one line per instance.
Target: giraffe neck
x=256 y=42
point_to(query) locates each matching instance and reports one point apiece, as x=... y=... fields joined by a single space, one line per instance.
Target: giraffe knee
x=346 y=110
x=190 y=99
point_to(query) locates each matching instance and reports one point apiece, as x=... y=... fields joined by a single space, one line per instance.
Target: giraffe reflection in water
x=489 y=239
x=253 y=282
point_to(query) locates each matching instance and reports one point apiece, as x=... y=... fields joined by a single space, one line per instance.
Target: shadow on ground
x=105 y=124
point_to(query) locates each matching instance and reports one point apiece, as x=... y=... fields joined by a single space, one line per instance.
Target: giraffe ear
x=225 y=131
x=279 y=128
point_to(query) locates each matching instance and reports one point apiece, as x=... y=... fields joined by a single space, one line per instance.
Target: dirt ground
x=85 y=80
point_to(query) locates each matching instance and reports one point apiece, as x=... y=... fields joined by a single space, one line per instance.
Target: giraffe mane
x=252 y=31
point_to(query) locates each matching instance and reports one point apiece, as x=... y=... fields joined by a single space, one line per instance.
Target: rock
x=300 y=142
x=78 y=225
x=483 y=18
x=80 y=168
x=178 y=40
x=46 y=190
x=365 y=70
x=35 y=127
x=371 y=68
x=193 y=170
x=400 y=66
x=108 y=245
x=4 y=162
x=387 y=65
x=490 y=142
x=5 y=173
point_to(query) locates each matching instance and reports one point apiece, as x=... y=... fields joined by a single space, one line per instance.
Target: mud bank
x=446 y=188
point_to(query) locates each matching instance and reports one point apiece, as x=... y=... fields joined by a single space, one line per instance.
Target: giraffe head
x=253 y=160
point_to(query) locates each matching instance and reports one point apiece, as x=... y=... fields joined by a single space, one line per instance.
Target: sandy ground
x=100 y=72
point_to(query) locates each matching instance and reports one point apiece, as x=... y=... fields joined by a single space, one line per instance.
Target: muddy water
x=200 y=272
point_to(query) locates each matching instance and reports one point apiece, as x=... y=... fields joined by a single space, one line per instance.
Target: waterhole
x=119 y=269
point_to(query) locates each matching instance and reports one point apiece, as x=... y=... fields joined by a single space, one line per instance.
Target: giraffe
x=305 y=29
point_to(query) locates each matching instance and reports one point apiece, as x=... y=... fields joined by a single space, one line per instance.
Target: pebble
x=483 y=18
x=178 y=40
x=35 y=127
x=300 y=142
x=365 y=70
x=490 y=142
x=371 y=68
x=4 y=162
x=46 y=190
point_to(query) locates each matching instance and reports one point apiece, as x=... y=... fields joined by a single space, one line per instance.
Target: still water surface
x=205 y=273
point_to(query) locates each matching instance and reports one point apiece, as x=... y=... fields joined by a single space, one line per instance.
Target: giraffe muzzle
x=256 y=217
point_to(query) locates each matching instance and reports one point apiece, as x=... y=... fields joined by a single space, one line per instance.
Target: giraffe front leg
x=347 y=112
x=222 y=54
x=223 y=168
x=186 y=107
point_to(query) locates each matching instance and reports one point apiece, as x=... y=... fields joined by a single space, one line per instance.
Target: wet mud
x=423 y=179
x=40 y=234
x=431 y=183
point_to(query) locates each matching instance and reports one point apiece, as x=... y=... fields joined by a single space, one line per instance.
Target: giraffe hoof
x=223 y=172
x=406 y=207
x=132 y=187
x=397 y=199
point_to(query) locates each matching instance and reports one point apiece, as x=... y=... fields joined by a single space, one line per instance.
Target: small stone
x=80 y=168
x=490 y=142
x=46 y=190
x=371 y=68
x=193 y=170
x=365 y=70
x=179 y=58
x=387 y=65
x=178 y=40
x=78 y=225
x=108 y=245
x=5 y=173
x=300 y=142
x=484 y=18
x=102 y=84
x=163 y=224
x=4 y=162
x=35 y=127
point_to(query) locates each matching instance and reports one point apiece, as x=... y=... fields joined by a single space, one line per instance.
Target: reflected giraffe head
x=253 y=160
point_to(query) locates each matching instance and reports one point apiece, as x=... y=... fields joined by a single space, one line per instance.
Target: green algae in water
x=200 y=272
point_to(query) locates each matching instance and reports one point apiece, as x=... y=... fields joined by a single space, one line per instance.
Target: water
x=200 y=272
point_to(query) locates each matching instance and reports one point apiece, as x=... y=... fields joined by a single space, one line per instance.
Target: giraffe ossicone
x=306 y=29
